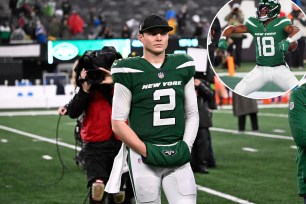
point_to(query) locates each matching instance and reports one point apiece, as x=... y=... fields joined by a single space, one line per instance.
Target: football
x=293 y=46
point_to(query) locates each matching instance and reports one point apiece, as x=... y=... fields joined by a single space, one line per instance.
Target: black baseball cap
x=154 y=21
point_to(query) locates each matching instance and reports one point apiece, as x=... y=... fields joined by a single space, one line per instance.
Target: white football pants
x=260 y=75
x=178 y=183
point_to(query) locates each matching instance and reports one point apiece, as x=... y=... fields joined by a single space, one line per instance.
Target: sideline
x=53 y=141
x=256 y=134
x=201 y=188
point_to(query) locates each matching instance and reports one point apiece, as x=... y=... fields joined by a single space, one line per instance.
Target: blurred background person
x=235 y=17
x=242 y=107
x=201 y=148
x=214 y=36
x=181 y=20
x=125 y=32
x=299 y=20
x=171 y=18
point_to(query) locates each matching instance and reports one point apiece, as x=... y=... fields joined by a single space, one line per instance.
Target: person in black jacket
x=215 y=33
x=202 y=152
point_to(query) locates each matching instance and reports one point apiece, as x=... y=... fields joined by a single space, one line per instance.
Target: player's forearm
x=294 y=33
x=233 y=29
x=227 y=32
x=128 y=136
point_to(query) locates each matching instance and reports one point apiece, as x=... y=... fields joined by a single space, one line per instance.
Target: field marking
x=293 y=147
x=223 y=195
x=28 y=113
x=39 y=137
x=257 y=134
x=201 y=188
x=278 y=115
x=249 y=149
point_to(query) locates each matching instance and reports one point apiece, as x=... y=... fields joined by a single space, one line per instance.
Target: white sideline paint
x=223 y=195
x=278 y=115
x=28 y=113
x=257 y=134
x=201 y=188
x=249 y=149
x=293 y=147
x=39 y=137
x=279 y=131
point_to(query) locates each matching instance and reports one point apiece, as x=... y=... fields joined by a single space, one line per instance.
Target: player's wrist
x=290 y=40
x=222 y=38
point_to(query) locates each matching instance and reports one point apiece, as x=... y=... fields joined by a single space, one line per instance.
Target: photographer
x=236 y=17
x=94 y=103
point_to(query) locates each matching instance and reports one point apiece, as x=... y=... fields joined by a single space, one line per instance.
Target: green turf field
x=265 y=176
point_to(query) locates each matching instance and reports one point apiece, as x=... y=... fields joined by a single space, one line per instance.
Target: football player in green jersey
x=272 y=36
x=297 y=122
x=156 y=94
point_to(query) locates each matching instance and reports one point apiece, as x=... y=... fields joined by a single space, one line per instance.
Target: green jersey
x=267 y=38
x=157 y=105
x=297 y=123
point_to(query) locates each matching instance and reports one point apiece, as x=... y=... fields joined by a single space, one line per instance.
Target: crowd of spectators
x=42 y=20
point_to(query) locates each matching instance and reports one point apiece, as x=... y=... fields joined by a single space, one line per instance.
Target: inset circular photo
x=260 y=49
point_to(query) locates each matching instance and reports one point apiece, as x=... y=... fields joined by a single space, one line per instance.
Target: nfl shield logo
x=291 y=105
x=161 y=75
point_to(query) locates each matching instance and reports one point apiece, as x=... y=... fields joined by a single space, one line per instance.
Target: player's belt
x=276 y=65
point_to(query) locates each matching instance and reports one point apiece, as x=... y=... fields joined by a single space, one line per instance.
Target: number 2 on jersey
x=157 y=121
x=266 y=46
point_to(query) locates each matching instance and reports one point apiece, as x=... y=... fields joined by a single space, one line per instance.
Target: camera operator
x=94 y=102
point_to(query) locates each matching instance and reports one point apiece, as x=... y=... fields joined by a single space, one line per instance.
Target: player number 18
x=266 y=46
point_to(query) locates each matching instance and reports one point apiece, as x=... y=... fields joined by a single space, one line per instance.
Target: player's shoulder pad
x=181 y=61
x=252 y=21
x=180 y=57
x=283 y=21
x=123 y=62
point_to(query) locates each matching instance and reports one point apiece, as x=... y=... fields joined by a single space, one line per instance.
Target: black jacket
x=204 y=96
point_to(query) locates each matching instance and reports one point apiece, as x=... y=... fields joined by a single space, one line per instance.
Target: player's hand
x=223 y=44
x=62 y=110
x=85 y=85
x=284 y=46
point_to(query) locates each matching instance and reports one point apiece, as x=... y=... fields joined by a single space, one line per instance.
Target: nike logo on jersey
x=163 y=84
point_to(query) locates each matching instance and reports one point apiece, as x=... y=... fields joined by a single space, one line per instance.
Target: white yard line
x=257 y=134
x=223 y=195
x=39 y=137
x=28 y=113
x=278 y=115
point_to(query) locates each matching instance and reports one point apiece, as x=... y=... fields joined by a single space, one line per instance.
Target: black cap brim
x=166 y=27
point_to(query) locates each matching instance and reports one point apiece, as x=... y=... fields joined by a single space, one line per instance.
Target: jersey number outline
x=266 y=47
x=157 y=121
